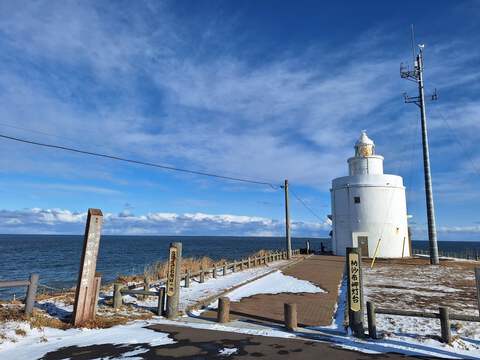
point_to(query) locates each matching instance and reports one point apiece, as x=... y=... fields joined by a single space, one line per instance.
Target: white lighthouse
x=369 y=207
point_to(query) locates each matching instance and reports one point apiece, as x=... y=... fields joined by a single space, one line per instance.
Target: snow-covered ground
x=418 y=286
x=19 y=341
x=37 y=342
x=407 y=335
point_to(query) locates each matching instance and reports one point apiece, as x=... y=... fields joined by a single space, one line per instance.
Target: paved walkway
x=196 y=344
x=312 y=309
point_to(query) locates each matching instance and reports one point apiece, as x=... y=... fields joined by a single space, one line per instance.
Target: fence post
x=31 y=294
x=173 y=281
x=146 y=287
x=224 y=269
x=97 y=285
x=187 y=279
x=290 y=314
x=445 y=324
x=223 y=315
x=248 y=263
x=202 y=275
x=117 y=296
x=161 y=302
x=372 y=321
x=241 y=264
x=355 y=292
x=214 y=272
x=477 y=281
x=234 y=266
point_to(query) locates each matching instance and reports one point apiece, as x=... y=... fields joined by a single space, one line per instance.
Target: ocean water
x=57 y=257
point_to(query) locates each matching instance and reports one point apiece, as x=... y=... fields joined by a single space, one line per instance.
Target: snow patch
x=274 y=283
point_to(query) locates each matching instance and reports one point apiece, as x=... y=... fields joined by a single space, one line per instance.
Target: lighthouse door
x=362 y=242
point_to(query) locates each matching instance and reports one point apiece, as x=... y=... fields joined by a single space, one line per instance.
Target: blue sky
x=259 y=89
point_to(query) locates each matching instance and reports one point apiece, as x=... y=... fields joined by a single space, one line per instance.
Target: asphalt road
x=209 y=344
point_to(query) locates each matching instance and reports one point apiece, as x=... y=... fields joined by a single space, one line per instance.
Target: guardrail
x=443 y=314
x=31 y=284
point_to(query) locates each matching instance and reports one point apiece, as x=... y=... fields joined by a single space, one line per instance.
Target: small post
x=290 y=314
x=214 y=272
x=202 y=276
x=241 y=264
x=307 y=246
x=161 y=302
x=117 y=296
x=249 y=262
x=173 y=281
x=477 y=281
x=31 y=294
x=223 y=315
x=146 y=287
x=287 y=222
x=234 y=267
x=355 y=291
x=97 y=285
x=224 y=269
x=372 y=321
x=445 y=325
x=187 y=279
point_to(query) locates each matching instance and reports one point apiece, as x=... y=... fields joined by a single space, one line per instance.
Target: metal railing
x=470 y=254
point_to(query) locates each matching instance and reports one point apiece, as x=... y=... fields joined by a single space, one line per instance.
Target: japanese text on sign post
x=354 y=274
x=172 y=267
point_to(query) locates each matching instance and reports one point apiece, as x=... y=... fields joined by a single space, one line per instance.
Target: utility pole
x=287 y=222
x=416 y=75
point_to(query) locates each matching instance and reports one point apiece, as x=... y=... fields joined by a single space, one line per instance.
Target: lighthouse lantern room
x=369 y=207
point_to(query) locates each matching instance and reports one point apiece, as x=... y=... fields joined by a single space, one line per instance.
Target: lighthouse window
x=356 y=199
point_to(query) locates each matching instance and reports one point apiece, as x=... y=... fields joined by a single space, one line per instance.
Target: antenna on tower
x=413 y=43
x=416 y=75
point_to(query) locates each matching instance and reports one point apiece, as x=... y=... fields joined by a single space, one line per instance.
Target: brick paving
x=313 y=309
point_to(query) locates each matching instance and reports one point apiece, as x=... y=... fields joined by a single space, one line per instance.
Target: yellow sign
x=354 y=274
x=172 y=272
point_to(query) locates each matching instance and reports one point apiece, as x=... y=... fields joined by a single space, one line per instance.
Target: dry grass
x=158 y=270
x=38 y=319
x=107 y=321
x=20 y=332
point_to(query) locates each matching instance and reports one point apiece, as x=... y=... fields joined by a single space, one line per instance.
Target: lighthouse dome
x=364 y=145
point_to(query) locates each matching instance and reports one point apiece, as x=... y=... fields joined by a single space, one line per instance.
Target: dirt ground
x=414 y=284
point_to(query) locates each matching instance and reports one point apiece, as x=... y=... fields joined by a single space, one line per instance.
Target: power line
x=138 y=162
x=305 y=205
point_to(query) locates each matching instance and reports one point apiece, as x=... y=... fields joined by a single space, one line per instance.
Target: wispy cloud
x=137 y=82
x=126 y=223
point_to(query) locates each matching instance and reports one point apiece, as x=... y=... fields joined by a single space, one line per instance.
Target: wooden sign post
x=87 y=286
x=355 y=292
x=173 y=279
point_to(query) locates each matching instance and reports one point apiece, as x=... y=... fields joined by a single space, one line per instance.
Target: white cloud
x=64 y=221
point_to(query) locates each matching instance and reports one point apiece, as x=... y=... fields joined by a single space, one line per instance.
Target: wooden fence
x=222 y=269
x=443 y=314
x=199 y=276
x=31 y=284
